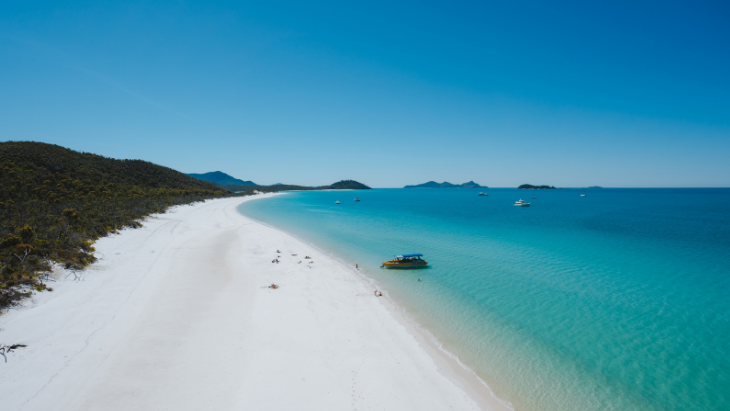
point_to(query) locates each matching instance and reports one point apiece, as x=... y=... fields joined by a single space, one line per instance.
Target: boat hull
x=401 y=266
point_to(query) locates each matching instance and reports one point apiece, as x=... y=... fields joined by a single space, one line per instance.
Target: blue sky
x=619 y=94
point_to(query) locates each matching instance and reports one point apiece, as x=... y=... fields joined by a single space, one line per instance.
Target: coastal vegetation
x=55 y=202
x=433 y=184
x=531 y=187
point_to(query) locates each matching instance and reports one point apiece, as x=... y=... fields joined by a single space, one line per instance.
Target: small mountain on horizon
x=349 y=185
x=532 y=187
x=220 y=178
x=340 y=185
x=433 y=184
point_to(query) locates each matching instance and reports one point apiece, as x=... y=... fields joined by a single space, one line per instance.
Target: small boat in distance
x=483 y=194
x=533 y=197
x=406 y=261
x=521 y=203
x=337 y=202
x=357 y=200
x=582 y=195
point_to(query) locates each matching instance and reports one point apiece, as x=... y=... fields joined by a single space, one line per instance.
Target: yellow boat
x=406 y=261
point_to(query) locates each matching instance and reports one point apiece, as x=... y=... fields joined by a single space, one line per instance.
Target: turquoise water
x=615 y=301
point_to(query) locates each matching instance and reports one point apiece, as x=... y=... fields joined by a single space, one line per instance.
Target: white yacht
x=337 y=202
x=521 y=203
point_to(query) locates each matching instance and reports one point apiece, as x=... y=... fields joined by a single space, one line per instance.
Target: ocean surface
x=619 y=300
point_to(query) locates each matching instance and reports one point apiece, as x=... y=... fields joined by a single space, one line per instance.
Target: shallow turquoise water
x=614 y=301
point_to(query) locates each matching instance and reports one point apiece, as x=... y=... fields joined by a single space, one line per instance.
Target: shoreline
x=449 y=364
x=178 y=315
x=455 y=370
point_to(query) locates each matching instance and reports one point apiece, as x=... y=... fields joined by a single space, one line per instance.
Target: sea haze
x=613 y=301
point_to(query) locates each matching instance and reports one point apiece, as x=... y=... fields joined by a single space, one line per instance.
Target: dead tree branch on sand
x=7 y=348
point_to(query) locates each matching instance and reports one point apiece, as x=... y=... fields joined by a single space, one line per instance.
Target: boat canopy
x=409 y=255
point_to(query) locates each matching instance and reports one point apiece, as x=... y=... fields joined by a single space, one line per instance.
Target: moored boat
x=406 y=261
x=483 y=194
x=357 y=199
x=337 y=202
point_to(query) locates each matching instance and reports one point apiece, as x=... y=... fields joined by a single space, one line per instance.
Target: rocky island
x=433 y=184
x=531 y=187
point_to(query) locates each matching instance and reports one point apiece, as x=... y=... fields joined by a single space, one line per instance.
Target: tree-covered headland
x=55 y=202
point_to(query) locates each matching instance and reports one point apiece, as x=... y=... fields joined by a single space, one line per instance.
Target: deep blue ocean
x=619 y=300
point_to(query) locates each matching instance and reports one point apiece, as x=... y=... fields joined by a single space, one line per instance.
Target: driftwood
x=7 y=348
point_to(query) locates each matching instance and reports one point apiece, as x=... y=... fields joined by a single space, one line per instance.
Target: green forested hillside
x=54 y=202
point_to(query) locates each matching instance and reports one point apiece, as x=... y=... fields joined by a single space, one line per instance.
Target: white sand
x=177 y=316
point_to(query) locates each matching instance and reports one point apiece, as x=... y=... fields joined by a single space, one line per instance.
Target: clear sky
x=618 y=94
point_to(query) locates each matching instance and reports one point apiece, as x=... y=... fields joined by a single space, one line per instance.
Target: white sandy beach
x=178 y=315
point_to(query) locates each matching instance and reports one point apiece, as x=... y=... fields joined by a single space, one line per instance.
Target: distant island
x=231 y=183
x=531 y=187
x=433 y=184
x=219 y=177
x=340 y=185
x=595 y=187
x=348 y=185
